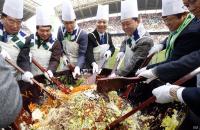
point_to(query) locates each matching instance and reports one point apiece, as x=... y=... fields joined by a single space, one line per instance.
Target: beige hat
x=102 y=12
x=171 y=7
x=68 y=13
x=13 y=8
x=129 y=9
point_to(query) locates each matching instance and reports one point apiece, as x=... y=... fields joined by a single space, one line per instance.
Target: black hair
x=38 y=26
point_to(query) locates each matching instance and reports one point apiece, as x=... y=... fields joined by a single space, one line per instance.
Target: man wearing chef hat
x=99 y=41
x=10 y=26
x=135 y=47
x=182 y=40
x=12 y=38
x=42 y=46
x=74 y=40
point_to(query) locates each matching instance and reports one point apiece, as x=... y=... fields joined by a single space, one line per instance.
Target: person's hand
x=107 y=54
x=48 y=74
x=147 y=74
x=162 y=93
x=120 y=55
x=156 y=48
x=95 y=68
x=141 y=70
x=5 y=54
x=76 y=72
x=65 y=60
x=27 y=77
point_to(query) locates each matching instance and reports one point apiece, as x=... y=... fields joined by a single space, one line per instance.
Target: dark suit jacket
x=187 y=42
x=92 y=42
x=191 y=97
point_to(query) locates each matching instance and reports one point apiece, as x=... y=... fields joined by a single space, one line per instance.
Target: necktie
x=102 y=39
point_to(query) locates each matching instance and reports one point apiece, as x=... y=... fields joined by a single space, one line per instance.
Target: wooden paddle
x=111 y=84
x=115 y=83
x=61 y=86
x=132 y=86
x=92 y=78
x=151 y=100
x=34 y=81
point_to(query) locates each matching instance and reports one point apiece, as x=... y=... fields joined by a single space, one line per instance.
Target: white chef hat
x=129 y=9
x=171 y=7
x=13 y=8
x=68 y=13
x=102 y=12
x=43 y=17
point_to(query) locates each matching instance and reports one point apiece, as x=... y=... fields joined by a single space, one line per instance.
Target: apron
x=13 y=51
x=71 y=49
x=42 y=56
x=127 y=57
x=100 y=50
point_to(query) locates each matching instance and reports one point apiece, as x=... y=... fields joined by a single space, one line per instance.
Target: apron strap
x=78 y=35
x=95 y=38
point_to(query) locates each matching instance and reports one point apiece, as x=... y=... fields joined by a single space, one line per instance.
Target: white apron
x=100 y=50
x=42 y=56
x=127 y=57
x=71 y=49
x=13 y=51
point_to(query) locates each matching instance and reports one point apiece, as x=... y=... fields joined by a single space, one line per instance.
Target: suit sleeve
x=112 y=47
x=23 y=59
x=89 y=52
x=83 y=42
x=55 y=56
x=11 y=100
x=191 y=97
x=172 y=71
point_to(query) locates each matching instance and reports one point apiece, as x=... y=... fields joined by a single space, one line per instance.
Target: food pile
x=88 y=110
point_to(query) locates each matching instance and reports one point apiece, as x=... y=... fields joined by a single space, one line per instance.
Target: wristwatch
x=173 y=92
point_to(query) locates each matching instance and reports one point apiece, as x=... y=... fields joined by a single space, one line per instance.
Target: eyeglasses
x=12 y=21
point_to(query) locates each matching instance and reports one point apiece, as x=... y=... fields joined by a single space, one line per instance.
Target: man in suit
x=11 y=100
x=177 y=69
x=182 y=40
x=135 y=47
x=74 y=39
x=99 y=41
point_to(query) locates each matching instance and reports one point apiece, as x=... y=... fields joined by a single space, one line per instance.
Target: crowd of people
x=152 y=22
x=73 y=45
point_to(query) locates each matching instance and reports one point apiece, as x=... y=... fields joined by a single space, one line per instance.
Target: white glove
x=76 y=72
x=107 y=54
x=113 y=75
x=5 y=54
x=162 y=93
x=141 y=70
x=120 y=55
x=156 y=48
x=65 y=60
x=148 y=74
x=27 y=77
x=48 y=74
x=95 y=68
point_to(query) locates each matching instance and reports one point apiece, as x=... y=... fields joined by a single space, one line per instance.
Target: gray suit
x=10 y=100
